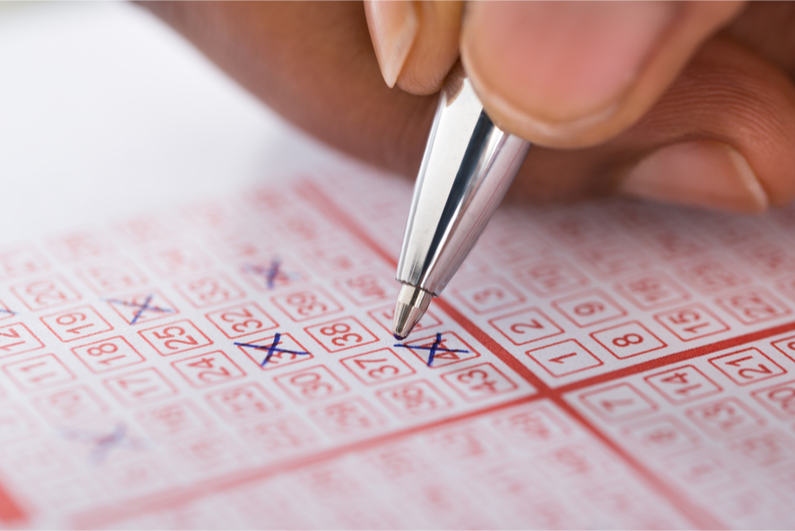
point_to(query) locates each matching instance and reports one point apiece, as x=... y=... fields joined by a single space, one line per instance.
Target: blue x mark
x=141 y=307
x=271 y=349
x=434 y=348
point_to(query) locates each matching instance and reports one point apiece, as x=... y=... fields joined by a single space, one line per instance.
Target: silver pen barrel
x=468 y=166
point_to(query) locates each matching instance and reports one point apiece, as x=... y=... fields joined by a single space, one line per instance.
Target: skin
x=716 y=87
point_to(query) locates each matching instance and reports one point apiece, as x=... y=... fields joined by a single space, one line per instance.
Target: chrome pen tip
x=412 y=302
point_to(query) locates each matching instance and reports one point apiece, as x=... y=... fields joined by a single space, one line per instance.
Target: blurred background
x=104 y=111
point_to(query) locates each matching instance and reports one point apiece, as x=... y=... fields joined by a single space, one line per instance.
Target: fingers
x=574 y=74
x=416 y=42
x=721 y=137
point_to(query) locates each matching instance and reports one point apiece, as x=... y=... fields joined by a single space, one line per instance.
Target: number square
x=710 y=275
x=78 y=323
x=612 y=257
x=108 y=354
x=550 y=277
x=351 y=417
x=683 y=384
x=78 y=246
x=786 y=346
x=652 y=291
x=71 y=405
x=272 y=274
x=341 y=334
x=175 y=419
x=241 y=403
x=22 y=260
x=479 y=382
x=142 y=307
x=45 y=293
x=174 y=338
x=38 y=373
x=618 y=403
x=526 y=326
x=778 y=399
x=112 y=278
x=415 y=399
x=209 y=290
x=379 y=366
x=488 y=294
x=241 y=320
x=628 y=340
x=16 y=339
x=385 y=315
x=664 y=436
x=145 y=385
x=564 y=358
x=589 y=308
x=747 y=366
x=177 y=259
x=208 y=369
x=753 y=306
x=725 y=418
x=306 y=304
x=288 y=351
x=691 y=322
x=364 y=289
x=447 y=347
x=311 y=384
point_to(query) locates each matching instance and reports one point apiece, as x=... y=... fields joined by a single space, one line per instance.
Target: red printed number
x=691 y=322
x=377 y=367
x=526 y=326
x=241 y=320
x=16 y=339
x=414 y=399
x=747 y=366
x=683 y=384
x=175 y=338
x=47 y=293
x=479 y=382
x=76 y=324
x=146 y=385
x=38 y=373
x=316 y=383
x=342 y=334
x=209 y=290
x=108 y=354
x=306 y=304
x=208 y=369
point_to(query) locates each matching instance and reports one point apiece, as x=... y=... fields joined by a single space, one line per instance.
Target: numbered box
x=385 y=315
x=550 y=277
x=78 y=323
x=779 y=399
x=488 y=294
x=38 y=373
x=142 y=307
x=365 y=289
x=589 y=308
x=786 y=346
x=564 y=358
x=577 y=229
x=108 y=354
x=532 y=425
x=711 y=275
x=674 y=244
x=174 y=338
x=691 y=322
x=71 y=405
x=526 y=326
x=379 y=366
x=22 y=260
x=112 y=278
x=272 y=274
x=753 y=306
x=354 y=416
x=275 y=351
x=209 y=290
x=628 y=340
x=663 y=436
x=770 y=259
x=306 y=304
x=208 y=369
x=765 y=450
x=415 y=399
x=747 y=366
x=618 y=403
x=80 y=246
x=46 y=293
x=242 y=403
x=611 y=258
x=172 y=420
x=16 y=339
x=479 y=382
x=445 y=348
x=241 y=320
x=311 y=384
x=177 y=259
x=341 y=334
x=652 y=291
x=145 y=385
x=725 y=418
x=280 y=436
x=683 y=384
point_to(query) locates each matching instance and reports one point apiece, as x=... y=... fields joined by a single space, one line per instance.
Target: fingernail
x=393 y=28
x=561 y=62
x=703 y=173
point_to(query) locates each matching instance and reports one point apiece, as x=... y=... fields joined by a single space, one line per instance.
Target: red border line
x=695 y=514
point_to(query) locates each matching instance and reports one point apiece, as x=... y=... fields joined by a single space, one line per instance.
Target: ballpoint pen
x=468 y=165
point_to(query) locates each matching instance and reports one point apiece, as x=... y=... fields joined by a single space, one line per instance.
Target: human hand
x=685 y=102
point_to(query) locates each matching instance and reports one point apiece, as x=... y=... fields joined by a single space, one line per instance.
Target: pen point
x=412 y=302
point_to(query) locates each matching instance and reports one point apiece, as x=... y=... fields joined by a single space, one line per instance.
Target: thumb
x=575 y=74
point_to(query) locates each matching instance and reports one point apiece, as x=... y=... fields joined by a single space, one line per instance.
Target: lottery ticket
x=229 y=363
